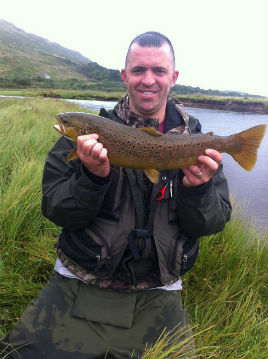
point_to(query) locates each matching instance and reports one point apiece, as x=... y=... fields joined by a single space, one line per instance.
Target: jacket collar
x=175 y=116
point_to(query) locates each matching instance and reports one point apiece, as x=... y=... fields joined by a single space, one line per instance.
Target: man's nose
x=148 y=78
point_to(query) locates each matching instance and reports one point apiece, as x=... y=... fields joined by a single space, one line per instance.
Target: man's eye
x=159 y=71
x=137 y=71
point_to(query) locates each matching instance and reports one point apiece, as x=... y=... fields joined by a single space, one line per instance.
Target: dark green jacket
x=98 y=216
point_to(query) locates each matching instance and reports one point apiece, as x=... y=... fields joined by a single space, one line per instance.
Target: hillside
x=27 y=60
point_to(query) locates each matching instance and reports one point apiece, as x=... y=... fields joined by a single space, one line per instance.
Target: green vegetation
x=225 y=293
x=64 y=94
x=27 y=60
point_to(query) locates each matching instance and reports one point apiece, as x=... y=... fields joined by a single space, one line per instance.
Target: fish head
x=68 y=125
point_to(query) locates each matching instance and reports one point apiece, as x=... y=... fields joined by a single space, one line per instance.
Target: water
x=248 y=188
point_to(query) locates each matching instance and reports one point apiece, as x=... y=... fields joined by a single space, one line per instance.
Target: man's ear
x=123 y=75
x=175 y=77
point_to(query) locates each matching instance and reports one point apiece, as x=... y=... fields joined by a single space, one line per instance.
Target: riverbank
x=238 y=104
x=225 y=292
x=235 y=104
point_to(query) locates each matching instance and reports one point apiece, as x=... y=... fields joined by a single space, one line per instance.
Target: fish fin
x=151 y=131
x=210 y=133
x=152 y=174
x=176 y=130
x=252 y=138
x=72 y=155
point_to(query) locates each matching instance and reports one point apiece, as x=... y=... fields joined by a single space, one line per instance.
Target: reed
x=225 y=293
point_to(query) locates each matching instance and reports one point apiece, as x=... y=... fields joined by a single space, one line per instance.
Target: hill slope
x=29 y=60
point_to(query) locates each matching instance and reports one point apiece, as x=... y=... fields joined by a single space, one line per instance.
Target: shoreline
x=236 y=104
x=229 y=105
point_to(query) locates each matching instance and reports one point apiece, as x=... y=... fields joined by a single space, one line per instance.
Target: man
x=125 y=242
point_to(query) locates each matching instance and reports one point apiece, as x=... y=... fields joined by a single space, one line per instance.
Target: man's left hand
x=204 y=171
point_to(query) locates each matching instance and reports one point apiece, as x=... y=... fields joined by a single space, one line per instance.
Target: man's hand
x=204 y=171
x=93 y=155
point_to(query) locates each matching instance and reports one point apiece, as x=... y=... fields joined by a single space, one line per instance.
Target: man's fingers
x=103 y=155
x=96 y=150
x=86 y=143
x=204 y=171
x=84 y=138
x=215 y=155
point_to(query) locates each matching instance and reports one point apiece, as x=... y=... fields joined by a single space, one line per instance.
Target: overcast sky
x=219 y=44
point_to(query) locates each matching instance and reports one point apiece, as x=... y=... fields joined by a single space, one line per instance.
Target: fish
x=149 y=150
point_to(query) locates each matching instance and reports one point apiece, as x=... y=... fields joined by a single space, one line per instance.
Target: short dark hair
x=151 y=39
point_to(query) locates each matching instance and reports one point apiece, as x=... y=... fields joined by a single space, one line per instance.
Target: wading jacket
x=122 y=232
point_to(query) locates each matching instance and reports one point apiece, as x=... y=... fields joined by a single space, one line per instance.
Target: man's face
x=149 y=76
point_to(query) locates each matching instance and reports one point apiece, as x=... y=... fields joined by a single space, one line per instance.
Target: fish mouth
x=60 y=128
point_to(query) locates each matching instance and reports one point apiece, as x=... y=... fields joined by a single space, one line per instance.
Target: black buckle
x=138 y=233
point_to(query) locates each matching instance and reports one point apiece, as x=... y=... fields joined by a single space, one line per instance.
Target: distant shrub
x=24 y=81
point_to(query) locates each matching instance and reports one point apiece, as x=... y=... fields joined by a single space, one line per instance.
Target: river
x=249 y=189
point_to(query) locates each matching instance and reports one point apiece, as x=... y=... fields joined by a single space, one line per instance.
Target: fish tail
x=251 y=140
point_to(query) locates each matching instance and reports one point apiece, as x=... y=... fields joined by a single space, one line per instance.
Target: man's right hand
x=93 y=155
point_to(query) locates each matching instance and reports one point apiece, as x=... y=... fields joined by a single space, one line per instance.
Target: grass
x=225 y=293
x=64 y=94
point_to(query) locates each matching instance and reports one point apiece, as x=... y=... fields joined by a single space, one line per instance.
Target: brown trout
x=149 y=150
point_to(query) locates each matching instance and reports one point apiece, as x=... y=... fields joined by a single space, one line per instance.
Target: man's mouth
x=147 y=93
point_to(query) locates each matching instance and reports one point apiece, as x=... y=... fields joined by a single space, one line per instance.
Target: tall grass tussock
x=225 y=293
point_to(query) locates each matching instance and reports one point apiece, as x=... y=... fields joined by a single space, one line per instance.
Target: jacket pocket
x=183 y=254
x=84 y=250
x=189 y=255
x=109 y=305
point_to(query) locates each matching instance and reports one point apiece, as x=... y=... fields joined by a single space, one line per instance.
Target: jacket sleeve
x=205 y=209
x=70 y=198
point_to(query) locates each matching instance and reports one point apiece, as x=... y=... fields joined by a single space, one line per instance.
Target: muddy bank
x=228 y=105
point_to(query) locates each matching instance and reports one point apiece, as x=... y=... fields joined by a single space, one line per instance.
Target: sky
x=218 y=44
